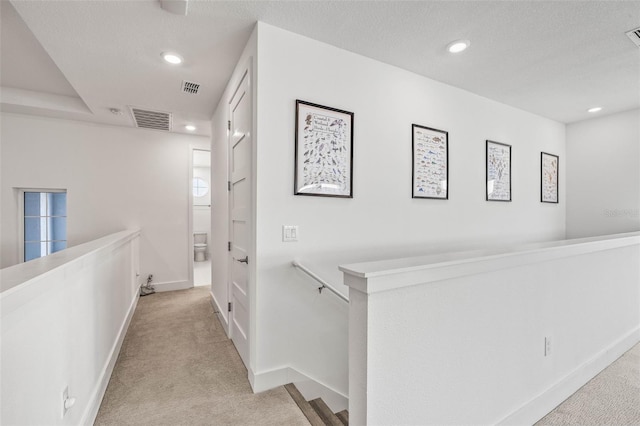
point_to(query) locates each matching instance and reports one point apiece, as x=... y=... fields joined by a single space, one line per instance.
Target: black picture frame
x=549 y=178
x=429 y=163
x=323 y=151
x=498 y=161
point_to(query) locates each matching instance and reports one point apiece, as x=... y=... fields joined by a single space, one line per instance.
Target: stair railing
x=323 y=283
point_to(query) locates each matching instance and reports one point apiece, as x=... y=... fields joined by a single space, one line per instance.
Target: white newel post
x=358 y=347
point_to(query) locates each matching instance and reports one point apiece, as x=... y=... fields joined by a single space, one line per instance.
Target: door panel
x=239 y=228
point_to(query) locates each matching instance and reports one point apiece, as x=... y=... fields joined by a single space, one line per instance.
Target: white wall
x=63 y=324
x=461 y=340
x=603 y=175
x=116 y=178
x=306 y=331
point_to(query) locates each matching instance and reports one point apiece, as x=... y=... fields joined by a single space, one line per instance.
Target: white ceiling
x=78 y=59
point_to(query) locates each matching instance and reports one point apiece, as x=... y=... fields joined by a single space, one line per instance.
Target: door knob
x=245 y=260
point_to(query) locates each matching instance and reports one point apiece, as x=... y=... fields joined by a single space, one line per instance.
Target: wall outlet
x=289 y=233
x=547 y=346
x=67 y=401
x=65 y=397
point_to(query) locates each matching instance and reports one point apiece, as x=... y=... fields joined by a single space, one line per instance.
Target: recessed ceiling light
x=190 y=127
x=172 y=58
x=458 y=46
x=594 y=109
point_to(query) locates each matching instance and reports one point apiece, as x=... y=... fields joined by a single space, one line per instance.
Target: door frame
x=190 y=252
x=246 y=73
x=190 y=216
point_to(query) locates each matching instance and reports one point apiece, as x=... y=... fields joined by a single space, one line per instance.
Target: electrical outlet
x=65 y=397
x=67 y=401
x=547 y=346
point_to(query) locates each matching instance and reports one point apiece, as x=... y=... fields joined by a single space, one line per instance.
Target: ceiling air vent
x=634 y=35
x=156 y=120
x=190 y=87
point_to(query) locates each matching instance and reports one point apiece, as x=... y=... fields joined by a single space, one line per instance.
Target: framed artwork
x=324 y=151
x=498 y=171
x=430 y=170
x=549 y=164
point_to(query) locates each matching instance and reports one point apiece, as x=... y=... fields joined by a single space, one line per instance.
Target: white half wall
x=460 y=339
x=64 y=318
x=299 y=328
x=116 y=178
x=603 y=175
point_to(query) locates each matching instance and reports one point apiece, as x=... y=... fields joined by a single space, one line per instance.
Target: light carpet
x=610 y=398
x=177 y=367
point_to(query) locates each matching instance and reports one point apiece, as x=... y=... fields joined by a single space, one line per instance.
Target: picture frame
x=323 y=151
x=549 y=168
x=498 y=171
x=430 y=163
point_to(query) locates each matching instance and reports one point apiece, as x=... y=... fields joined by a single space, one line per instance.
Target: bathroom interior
x=201 y=217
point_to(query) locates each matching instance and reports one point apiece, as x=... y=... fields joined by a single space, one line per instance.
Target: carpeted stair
x=316 y=411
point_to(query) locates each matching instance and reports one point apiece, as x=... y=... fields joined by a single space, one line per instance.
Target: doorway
x=240 y=226
x=201 y=220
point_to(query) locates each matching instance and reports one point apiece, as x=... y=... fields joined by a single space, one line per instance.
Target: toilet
x=200 y=246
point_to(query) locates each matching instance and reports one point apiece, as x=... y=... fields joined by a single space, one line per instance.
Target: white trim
x=221 y=312
x=308 y=387
x=374 y=277
x=190 y=211
x=172 y=286
x=16 y=278
x=190 y=253
x=542 y=404
x=95 y=400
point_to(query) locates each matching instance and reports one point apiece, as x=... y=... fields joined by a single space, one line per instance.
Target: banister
x=323 y=283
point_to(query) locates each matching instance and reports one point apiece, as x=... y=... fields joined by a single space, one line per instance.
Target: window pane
x=31 y=251
x=200 y=187
x=58 y=229
x=45 y=223
x=32 y=204
x=32 y=228
x=59 y=203
x=58 y=245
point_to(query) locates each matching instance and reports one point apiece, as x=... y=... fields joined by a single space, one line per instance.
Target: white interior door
x=239 y=216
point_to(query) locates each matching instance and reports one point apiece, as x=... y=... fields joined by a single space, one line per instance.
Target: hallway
x=202 y=379
x=177 y=367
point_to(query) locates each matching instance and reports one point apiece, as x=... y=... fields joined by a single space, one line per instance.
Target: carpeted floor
x=610 y=398
x=177 y=367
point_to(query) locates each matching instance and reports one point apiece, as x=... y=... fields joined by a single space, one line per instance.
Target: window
x=200 y=187
x=45 y=223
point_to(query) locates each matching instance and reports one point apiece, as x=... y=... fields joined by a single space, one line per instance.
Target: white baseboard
x=541 y=405
x=172 y=286
x=90 y=413
x=221 y=313
x=308 y=387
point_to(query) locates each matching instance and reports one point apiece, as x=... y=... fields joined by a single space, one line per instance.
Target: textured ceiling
x=555 y=59
x=15 y=40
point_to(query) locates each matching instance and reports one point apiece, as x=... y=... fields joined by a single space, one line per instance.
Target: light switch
x=289 y=233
